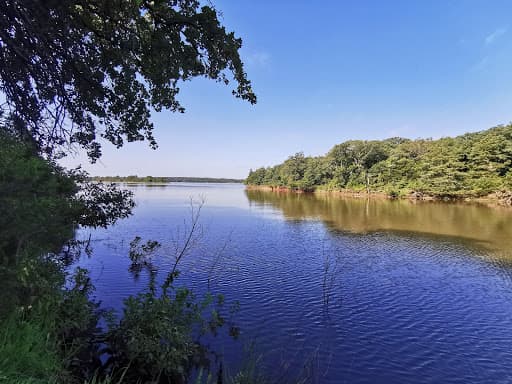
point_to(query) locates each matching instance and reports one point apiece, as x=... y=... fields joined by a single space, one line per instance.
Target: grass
x=28 y=353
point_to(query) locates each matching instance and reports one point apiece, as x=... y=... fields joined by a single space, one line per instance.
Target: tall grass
x=28 y=352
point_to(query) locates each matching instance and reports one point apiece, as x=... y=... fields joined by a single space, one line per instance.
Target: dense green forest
x=471 y=165
x=163 y=179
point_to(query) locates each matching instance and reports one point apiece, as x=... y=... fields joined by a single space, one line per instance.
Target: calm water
x=417 y=292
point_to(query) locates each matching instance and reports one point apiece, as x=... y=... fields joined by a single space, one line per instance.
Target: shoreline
x=166 y=182
x=496 y=199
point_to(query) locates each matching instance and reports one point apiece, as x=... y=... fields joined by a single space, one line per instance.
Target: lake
x=341 y=290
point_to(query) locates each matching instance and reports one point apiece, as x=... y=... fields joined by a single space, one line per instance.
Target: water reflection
x=479 y=224
x=215 y=195
x=323 y=279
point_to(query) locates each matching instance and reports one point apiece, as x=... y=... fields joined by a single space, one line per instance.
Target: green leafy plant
x=158 y=336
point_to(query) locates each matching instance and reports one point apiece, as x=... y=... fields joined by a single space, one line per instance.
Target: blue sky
x=330 y=71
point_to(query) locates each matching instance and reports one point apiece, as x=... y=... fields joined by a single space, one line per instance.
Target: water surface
x=355 y=290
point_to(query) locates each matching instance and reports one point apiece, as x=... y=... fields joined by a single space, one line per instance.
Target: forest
x=466 y=166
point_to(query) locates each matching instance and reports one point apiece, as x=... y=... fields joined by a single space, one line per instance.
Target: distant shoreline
x=164 y=179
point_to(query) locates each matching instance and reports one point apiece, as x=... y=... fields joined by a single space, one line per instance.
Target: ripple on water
x=402 y=307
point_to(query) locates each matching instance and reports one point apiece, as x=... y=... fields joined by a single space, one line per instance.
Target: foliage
x=26 y=351
x=472 y=165
x=156 y=336
x=101 y=204
x=251 y=370
x=73 y=71
x=41 y=203
x=76 y=325
x=139 y=252
x=37 y=209
x=51 y=337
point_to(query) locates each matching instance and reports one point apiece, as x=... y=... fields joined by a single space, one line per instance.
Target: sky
x=330 y=71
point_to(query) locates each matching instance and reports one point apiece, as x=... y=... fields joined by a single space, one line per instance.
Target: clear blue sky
x=330 y=71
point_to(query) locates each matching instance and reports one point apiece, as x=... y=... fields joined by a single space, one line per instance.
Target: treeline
x=471 y=165
x=163 y=179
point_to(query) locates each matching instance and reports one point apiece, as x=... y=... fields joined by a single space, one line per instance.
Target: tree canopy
x=75 y=71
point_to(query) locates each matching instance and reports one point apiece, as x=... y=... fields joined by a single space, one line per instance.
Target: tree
x=75 y=71
x=36 y=205
x=317 y=172
x=293 y=169
x=41 y=203
x=353 y=159
x=256 y=177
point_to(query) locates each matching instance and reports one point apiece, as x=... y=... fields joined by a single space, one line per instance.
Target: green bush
x=28 y=349
x=158 y=335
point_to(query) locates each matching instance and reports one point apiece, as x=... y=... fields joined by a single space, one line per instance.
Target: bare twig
x=192 y=236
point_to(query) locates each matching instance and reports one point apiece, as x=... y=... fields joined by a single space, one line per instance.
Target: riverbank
x=499 y=198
